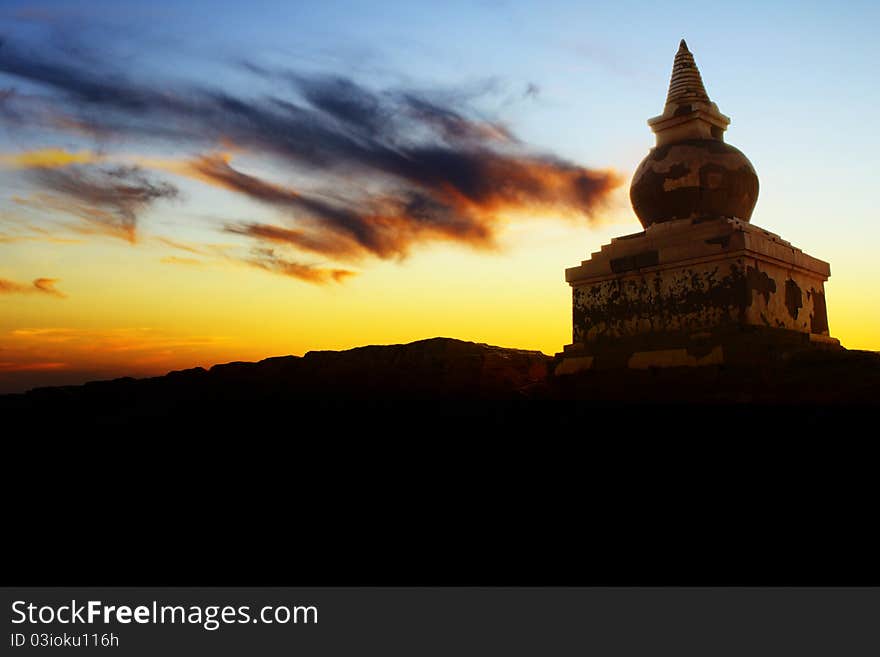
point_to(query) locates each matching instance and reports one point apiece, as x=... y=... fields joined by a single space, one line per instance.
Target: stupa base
x=696 y=292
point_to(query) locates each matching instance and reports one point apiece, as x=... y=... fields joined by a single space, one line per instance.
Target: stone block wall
x=699 y=297
x=696 y=292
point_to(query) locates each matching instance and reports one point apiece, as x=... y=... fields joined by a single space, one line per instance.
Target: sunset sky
x=187 y=183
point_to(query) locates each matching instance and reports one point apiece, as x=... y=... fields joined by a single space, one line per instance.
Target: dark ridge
x=434 y=382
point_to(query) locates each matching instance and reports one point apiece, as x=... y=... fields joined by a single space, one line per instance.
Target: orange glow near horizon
x=144 y=311
x=161 y=304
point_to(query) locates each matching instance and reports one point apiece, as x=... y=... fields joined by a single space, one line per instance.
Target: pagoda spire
x=688 y=113
x=685 y=85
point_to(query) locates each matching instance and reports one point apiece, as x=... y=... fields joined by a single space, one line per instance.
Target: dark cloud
x=314 y=241
x=110 y=198
x=218 y=171
x=458 y=197
x=349 y=103
x=451 y=125
x=432 y=167
x=39 y=285
x=384 y=225
x=9 y=113
x=95 y=87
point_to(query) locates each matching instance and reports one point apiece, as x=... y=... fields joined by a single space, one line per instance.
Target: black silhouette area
x=442 y=383
x=282 y=472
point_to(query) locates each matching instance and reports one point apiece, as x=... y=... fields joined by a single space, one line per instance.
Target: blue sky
x=798 y=78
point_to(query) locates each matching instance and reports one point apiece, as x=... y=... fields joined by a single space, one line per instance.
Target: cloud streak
x=269 y=260
x=108 y=198
x=386 y=169
x=46 y=158
x=38 y=286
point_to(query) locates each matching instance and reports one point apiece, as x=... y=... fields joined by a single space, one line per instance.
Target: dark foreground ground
x=443 y=383
x=283 y=472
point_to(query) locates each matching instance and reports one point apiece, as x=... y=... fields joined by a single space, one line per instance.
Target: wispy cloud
x=38 y=285
x=271 y=261
x=47 y=158
x=108 y=198
x=383 y=170
x=6 y=238
x=182 y=246
x=177 y=260
x=314 y=241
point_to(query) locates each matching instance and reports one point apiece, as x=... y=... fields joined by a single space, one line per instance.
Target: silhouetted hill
x=439 y=382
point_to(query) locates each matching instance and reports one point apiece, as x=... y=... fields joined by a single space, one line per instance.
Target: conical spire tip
x=683 y=46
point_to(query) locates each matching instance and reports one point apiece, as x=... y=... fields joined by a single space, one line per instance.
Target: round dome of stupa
x=691 y=173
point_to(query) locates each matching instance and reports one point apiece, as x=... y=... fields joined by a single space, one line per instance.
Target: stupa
x=699 y=285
